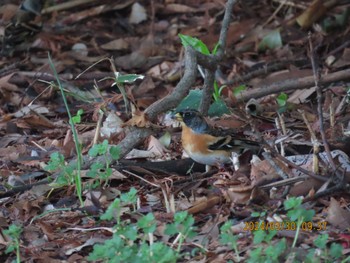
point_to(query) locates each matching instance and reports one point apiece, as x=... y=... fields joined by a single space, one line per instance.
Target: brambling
x=203 y=142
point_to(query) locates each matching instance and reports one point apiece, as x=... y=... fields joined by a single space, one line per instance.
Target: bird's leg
x=235 y=160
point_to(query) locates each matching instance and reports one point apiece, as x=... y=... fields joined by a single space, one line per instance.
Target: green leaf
x=191 y=101
x=321 y=241
x=162 y=253
x=255 y=255
x=336 y=250
x=282 y=99
x=107 y=251
x=183 y=223
x=95 y=170
x=259 y=236
x=195 y=43
x=10 y=248
x=292 y=202
x=270 y=235
x=98 y=149
x=255 y=214
x=113 y=210
x=128 y=78
x=238 y=90
x=216 y=93
x=273 y=252
x=218 y=108
x=271 y=41
x=147 y=223
x=56 y=162
x=129 y=197
x=77 y=118
x=129 y=232
x=215 y=49
x=13 y=231
x=115 y=152
x=308 y=215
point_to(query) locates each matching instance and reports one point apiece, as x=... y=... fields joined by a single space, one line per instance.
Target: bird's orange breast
x=196 y=146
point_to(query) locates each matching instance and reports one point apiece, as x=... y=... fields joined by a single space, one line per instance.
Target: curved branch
x=291 y=84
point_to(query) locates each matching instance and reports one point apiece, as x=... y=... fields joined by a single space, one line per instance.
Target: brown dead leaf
x=303 y=188
x=117 y=44
x=140 y=120
x=178 y=8
x=238 y=195
x=156 y=147
x=263 y=171
x=6 y=85
x=204 y=204
x=338 y=216
x=11 y=138
x=38 y=121
x=112 y=125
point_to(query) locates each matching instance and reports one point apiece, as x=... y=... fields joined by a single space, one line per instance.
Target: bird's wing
x=222 y=143
x=228 y=143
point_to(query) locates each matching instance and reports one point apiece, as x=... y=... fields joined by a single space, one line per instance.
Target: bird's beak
x=177 y=117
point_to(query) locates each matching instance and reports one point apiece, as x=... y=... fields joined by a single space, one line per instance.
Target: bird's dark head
x=192 y=119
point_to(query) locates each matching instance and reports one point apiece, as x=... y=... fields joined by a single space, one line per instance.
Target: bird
x=203 y=142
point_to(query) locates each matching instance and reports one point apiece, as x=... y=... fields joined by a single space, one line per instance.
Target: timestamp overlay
x=286 y=225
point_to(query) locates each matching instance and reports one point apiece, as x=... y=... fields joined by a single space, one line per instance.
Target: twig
x=224 y=27
x=265 y=69
x=282 y=3
x=293 y=165
x=278 y=170
x=314 y=141
x=210 y=72
x=207 y=91
x=291 y=84
x=66 y=5
x=174 y=98
x=319 y=105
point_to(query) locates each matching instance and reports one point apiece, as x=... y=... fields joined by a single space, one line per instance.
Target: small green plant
x=99 y=171
x=14 y=232
x=269 y=254
x=196 y=43
x=217 y=91
x=134 y=241
x=282 y=99
x=298 y=218
x=324 y=254
x=66 y=175
x=120 y=80
x=183 y=227
x=78 y=146
x=237 y=90
x=272 y=251
x=296 y=213
x=227 y=237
